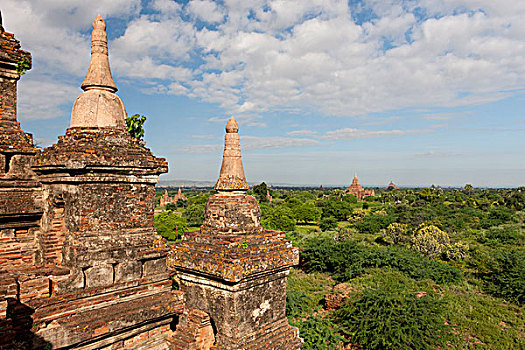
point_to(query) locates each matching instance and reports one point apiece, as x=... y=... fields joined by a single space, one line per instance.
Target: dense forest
x=427 y=268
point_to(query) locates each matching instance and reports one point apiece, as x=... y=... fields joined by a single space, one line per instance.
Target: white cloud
x=250 y=143
x=302 y=133
x=40 y=99
x=261 y=56
x=436 y=154
x=199 y=149
x=205 y=10
x=351 y=133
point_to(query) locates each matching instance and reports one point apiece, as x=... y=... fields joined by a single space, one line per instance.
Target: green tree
x=278 y=218
x=135 y=125
x=328 y=223
x=194 y=214
x=259 y=191
x=306 y=212
x=170 y=225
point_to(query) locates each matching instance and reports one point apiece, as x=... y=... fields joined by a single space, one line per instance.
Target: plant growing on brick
x=135 y=125
x=23 y=65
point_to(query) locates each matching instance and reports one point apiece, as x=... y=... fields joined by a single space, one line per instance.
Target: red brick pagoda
x=357 y=190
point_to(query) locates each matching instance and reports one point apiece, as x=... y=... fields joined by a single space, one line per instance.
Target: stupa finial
x=232 y=176
x=98 y=106
x=99 y=73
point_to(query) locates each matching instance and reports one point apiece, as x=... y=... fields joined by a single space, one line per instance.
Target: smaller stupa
x=233 y=270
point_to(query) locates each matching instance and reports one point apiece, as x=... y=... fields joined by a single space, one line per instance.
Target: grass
x=484 y=322
x=314 y=285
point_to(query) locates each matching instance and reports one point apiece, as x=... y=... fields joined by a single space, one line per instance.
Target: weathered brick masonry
x=234 y=270
x=81 y=265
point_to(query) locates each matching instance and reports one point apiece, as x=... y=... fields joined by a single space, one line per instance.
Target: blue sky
x=420 y=92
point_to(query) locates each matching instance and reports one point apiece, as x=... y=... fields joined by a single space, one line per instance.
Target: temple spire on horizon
x=232 y=177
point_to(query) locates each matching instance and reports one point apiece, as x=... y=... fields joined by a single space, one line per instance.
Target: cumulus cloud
x=40 y=99
x=253 y=56
x=205 y=10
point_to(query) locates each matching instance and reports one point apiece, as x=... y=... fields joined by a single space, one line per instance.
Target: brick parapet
x=235 y=257
x=108 y=150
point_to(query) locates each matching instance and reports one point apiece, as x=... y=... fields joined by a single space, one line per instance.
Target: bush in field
x=347 y=260
x=328 y=224
x=456 y=251
x=504 y=274
x=374 y=223
x=396 y=233
x=429 y=240
x=497 y=216
x=357 y=215
x=170 y=225
x=277 y=218
x=394 y=314
x=510 y=234
x=319 y=334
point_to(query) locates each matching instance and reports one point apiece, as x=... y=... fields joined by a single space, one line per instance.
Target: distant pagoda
x=392 y=186
x=357 y=190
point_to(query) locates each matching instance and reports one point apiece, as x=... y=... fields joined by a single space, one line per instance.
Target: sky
x=418 y=92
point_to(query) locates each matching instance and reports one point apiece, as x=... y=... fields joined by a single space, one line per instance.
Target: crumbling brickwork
x=233 y=269
x=81 y=264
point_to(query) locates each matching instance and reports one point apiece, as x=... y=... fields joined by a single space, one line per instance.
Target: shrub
x=374 y=223
x=510 y=234
x=397 y=233
x=429 y=240
x=395 y=315
x=297 y=302
x=347 y=260
x=456 y=251
x=504 y=275
x=328 y=224
x=357 y=215
x=319 y=334
x=497 y=216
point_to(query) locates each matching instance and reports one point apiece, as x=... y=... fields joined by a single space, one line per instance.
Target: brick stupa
x=99 y=188
x=233 y=271
x=357 y=190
